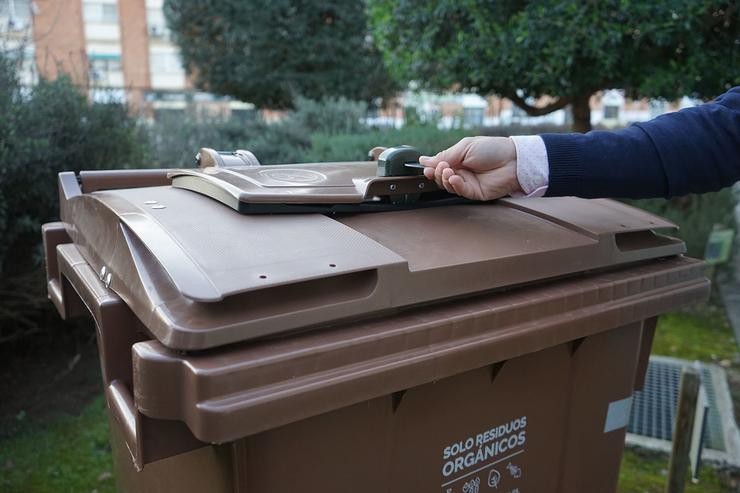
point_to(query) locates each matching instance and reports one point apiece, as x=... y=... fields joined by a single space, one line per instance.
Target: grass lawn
x=645 y=472
x=702 y=333
x=71 y=453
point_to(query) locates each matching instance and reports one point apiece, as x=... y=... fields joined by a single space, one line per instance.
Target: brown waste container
x=465 y=348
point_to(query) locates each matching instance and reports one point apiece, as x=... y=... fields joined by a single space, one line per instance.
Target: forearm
x=624 y=163
x=695 y=150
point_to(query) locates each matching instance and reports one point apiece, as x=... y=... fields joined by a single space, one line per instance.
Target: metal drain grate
x=654 y=408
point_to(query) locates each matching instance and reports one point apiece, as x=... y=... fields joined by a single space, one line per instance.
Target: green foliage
x=428 y=139
x=354 y=147
x=70 y=454
x=695 y=215
x=568 y=49
x=51 y=128
x=329 y=116
x=175 y=140
x=270 y=52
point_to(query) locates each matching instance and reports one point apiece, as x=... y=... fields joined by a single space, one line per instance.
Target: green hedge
x=428 y=139
x=354 y=147
x=45 y=130
x=175 y=141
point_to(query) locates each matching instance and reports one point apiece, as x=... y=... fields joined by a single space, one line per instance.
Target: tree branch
x=558 y=104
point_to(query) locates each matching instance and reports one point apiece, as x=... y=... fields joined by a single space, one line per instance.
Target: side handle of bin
x=91 y=181
x=54 y=234
x=147 y=439
x=60 y=292
x=118 y=330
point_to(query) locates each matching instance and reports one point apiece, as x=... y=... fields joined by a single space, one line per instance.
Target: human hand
x=477 y=168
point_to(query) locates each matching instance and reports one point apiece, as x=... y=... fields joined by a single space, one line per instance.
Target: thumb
x=452 y=155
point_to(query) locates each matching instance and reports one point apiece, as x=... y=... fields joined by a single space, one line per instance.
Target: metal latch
x=400 y=161
x=225 y=159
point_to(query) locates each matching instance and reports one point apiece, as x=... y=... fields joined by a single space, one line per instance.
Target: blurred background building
x=115 y=49
x=121 y=49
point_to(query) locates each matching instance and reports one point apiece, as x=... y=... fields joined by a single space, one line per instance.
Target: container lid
x=323 y=188
x=200 y=275
x=395 y=181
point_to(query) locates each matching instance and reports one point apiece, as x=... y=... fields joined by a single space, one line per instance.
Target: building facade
x=114 y=49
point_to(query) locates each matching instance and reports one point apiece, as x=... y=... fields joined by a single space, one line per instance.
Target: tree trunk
x=581 y=113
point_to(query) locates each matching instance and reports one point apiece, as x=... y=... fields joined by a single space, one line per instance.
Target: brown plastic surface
x=249 y=388
x=324 y=183
x=207 y=469
x=539 y=309
x=376 y=445
x=92 y=181
x=200 y=275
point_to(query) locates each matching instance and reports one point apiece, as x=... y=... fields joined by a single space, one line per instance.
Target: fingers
x=463 y=183
x=453 y=155
x=447 y=173
x=459 y=186
x=466 y=184
x=451 y=180
x=438 y=172
x=434 y=166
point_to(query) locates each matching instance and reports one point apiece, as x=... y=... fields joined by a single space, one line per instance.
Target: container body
x=536 y=423
x=548 y=421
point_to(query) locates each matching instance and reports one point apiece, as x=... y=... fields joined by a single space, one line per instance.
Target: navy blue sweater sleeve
x=694 y=150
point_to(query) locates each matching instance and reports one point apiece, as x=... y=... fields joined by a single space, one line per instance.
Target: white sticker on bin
x=618 y=414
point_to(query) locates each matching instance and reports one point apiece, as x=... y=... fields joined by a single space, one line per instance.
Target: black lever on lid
x=400 y=161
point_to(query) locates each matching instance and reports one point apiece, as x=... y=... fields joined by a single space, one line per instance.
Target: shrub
x=45 y=130
x=175 y=141
x=330 y=116
x=354 y=147
x=426 y=138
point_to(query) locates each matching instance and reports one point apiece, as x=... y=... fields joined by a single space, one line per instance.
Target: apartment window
x=156 y=23
x=101 y=66
x=100 y=12
x=243 y=116
x=166 y=63
x=611 y=112
x=168 y=114
x=17 y=13
x=473 y=117
x=657 y=107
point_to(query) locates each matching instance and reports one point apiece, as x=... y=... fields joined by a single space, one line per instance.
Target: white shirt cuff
x=532 y=168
